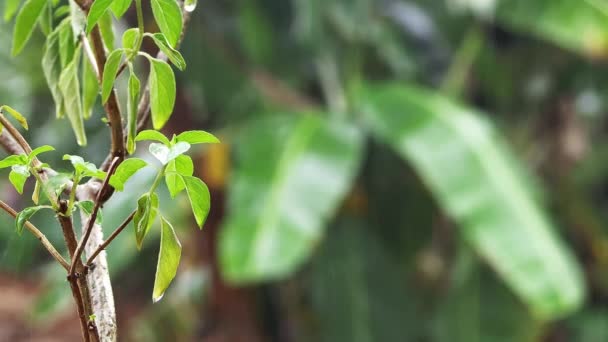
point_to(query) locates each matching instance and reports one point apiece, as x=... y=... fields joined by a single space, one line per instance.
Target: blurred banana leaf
x=290 y=174
x=470 y=172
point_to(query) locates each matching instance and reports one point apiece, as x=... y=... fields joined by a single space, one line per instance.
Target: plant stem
x=39 y=235
x=116 y=232
x=15 y=133
x=456 y=75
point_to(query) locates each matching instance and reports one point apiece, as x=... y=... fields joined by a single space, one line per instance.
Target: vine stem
x=39 y=235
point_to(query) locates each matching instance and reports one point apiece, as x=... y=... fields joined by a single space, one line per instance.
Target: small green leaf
x=125 y=170
x=200 y=200
x=51 y=67
x=130 y=38
x=150 y=134
x=70 y=90
x=197 y=137
x=168 y=260
x=40 y=150
x=166 y=154
x=174 y=56
x=36 y=193
x=58 y=183
x=98 y=9
x=15 y=159
x=168 y=16
x=182 y=165
x=90 y=88
x=15 y=114
x=109 y=74
x=25 y=23
x=46 y=19
x=87 y=208
x=162 y=92
x=105 y=27
x=25 y=215
x=85 y=169
x=147 y=208
x=18 y=175
x=10 y=9
x=120 y=7
x=132 y=102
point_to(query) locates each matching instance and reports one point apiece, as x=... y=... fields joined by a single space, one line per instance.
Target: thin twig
x=39 y=235
x=116 y=232
x=93 y=217
x=15 y=133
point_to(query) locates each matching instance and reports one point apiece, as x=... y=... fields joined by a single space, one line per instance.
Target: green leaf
x=85 y=169
x=70 y=90
x=40 y=150
x=174 y=56
x=67 y=46
x=109 y=74
x=87 y=208
x=197 y=137
x=166 y=154
x=15 y=159
x=98 y=9
x=130 y=38
x=78 y=20
x=200 y=200
x=132 y=103
x=105 y=27
x=51 y=67
x=125 y=170
x=18 y=175
x=15 y=114
x=150 y=134
x=279 y=207
x=25 y=215
x=90 y=88
x=168 y=16
x=162 y=92
x=481 y=190
x=46 y=19
x=147 y=209
x=25 y=23
x=120 y=7
x=168 y=260
x=180 y=166
x=10 y=9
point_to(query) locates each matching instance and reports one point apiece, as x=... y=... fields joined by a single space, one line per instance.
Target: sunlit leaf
x=150 y=134
x=25 y=215
x=25 y=23
x=168 y=16
x=168 y=260
x=90 y=88
x=120 y=7
x=182 y=165
x=85 y=168
x=51 y=67
x=98 y=9
x=18 y=175
x=10 y=9
x=126 y=170
x=109 y=74
x=174 y=56
x=15 y=159
x=87 y=209
x=130 y=38
x=132 y=103
x=200 y=200
x=39 y=150
x=15 y=114
x=69 y=85
x=197 y=137
x=106 y=28
x=162 y=92
x=147 y=208
x=165 y=153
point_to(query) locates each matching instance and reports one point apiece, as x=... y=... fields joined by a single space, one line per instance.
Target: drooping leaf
x=109 y=74
x=165 y=154
x=162 y=92
x=36 y=193
x=15 y=114
x=10 y=9
x=87 y=209
x=174 y=56
x=147 y=208
x=125 y=170
x=197 y=137
x=97 y=10
x=105 y=27
x=481 y=190
x=15 y=159
x=130 y=38
x=182 y=165
x=78 y=20
x=90 y=88
x=132 y=103
x=120 y=7
x=18 y=175
x=168 y=260
x=200 y=200
x=69 y=85
x=284 y=202
x=150 y=134
x=168 y=16
x=84 y=168
x=51 y=67
x=46 y=19
x=25 y=23
x=25 y=215
x=67 y=45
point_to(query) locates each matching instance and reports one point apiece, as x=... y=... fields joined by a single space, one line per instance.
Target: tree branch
x=39 y=235
x=116 y=232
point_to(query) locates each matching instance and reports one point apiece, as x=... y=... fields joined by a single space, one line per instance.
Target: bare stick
x=103 y=246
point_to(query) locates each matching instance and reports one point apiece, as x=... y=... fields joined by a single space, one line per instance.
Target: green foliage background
x=391 y=170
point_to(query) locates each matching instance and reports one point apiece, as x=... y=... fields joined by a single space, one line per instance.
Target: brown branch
x=39 y=235
x=10 y=145
x=104 y=245
x=93 y=217
x=15 y=133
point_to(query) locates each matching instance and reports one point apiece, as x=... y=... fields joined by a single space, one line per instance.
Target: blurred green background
x=391 y=170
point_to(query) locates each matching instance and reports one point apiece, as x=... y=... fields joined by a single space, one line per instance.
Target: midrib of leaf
x=304 y=131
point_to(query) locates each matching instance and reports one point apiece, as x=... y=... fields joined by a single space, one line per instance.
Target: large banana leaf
x=475 y=179
x=290 y=174
x=578 y=25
